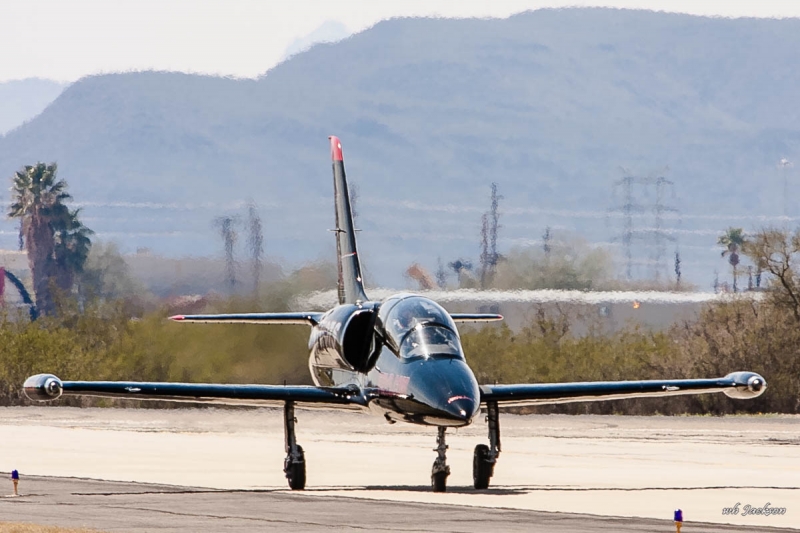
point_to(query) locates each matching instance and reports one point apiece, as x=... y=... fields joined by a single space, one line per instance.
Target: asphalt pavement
x=137 y=507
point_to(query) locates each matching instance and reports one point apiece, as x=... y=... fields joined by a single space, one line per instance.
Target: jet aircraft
x=400 y=358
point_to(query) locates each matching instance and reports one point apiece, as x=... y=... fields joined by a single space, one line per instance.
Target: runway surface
x=586 y=473
x=134 y=507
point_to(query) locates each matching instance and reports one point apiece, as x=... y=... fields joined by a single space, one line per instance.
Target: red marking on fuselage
x=393 y=383
x=177 y=317
x=336 y=148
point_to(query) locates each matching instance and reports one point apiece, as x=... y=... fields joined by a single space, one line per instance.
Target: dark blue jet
x=400 y=358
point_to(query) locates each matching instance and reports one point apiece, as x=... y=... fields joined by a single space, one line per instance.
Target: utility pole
x=659 y=235
x=627 y=210
x=228 y=233
x=255 y=241
x=783 y=164
x=484 y=259
x=546 y=238
x=494 y=217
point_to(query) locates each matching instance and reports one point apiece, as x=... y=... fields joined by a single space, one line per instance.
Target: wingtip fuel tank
x=43 y=387
x=747 y=385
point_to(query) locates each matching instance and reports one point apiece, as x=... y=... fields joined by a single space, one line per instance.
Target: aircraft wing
x=310 y=319
x=475 y=317
x=735 y=385
x=43 y=387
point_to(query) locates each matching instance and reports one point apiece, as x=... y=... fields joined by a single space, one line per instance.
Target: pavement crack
x=636 y=489
x=371 y=527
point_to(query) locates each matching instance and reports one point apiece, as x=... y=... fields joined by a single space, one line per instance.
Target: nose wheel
x=440 y=470
x=294 y=466
x=485 y=457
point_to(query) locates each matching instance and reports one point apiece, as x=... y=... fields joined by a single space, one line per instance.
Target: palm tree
x=72 y=246
x=733 y=240
x=37 y=200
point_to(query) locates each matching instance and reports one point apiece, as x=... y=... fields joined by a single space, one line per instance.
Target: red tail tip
x=336 y=148
x=177 y=317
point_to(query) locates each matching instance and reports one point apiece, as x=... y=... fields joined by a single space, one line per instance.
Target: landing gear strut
x=440 y=470
x=294 y=466
x=486 y=456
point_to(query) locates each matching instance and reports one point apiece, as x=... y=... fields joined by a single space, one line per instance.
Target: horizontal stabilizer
x=309 y=319
x=743 y=385
x=475 y=317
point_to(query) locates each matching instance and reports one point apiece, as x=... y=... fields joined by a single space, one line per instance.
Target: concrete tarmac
x=137 y=507
x=621 y=470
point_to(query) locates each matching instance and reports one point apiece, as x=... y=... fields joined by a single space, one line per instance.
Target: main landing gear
x=440 y=470
x=485 y=457
x=294 y=466
x=483 y=460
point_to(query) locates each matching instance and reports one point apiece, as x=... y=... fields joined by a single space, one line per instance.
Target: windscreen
x=428 y=340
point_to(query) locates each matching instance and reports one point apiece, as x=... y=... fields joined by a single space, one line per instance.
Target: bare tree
x=441 y=275
x=776 y=252
x=489 y=226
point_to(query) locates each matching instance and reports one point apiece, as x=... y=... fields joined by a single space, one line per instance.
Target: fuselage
x=408 y=349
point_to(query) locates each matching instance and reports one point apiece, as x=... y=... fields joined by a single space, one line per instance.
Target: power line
x=633 y=206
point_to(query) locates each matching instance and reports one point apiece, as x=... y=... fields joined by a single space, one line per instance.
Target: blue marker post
x=678 y=520
x=15 y=479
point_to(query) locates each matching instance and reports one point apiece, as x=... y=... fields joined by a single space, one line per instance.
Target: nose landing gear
x=440 y=470
x=294 y=466
x=485 y=457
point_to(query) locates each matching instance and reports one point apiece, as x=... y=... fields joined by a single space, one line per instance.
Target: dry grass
x=11 y=527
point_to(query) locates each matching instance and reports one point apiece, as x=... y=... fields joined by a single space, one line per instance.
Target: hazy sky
x=67 y=39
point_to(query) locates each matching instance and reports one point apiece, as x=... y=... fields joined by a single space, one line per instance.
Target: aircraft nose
x=449 y=390
x=462 y=408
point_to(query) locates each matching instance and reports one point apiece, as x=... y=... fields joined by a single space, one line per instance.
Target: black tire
x=296 y=472
x=482 y=468
x=439 y=482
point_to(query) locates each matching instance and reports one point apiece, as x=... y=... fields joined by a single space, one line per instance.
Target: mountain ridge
x=21 y=100
x=548 y=103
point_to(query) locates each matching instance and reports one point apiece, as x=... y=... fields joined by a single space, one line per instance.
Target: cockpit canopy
x=426 y=340
x=419 y=327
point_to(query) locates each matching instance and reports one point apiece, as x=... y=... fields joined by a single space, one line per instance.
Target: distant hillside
x=21 y=100
x=329 y=32
x=549 y=104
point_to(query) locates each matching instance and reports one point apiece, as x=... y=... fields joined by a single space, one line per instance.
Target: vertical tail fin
x=351 y=287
